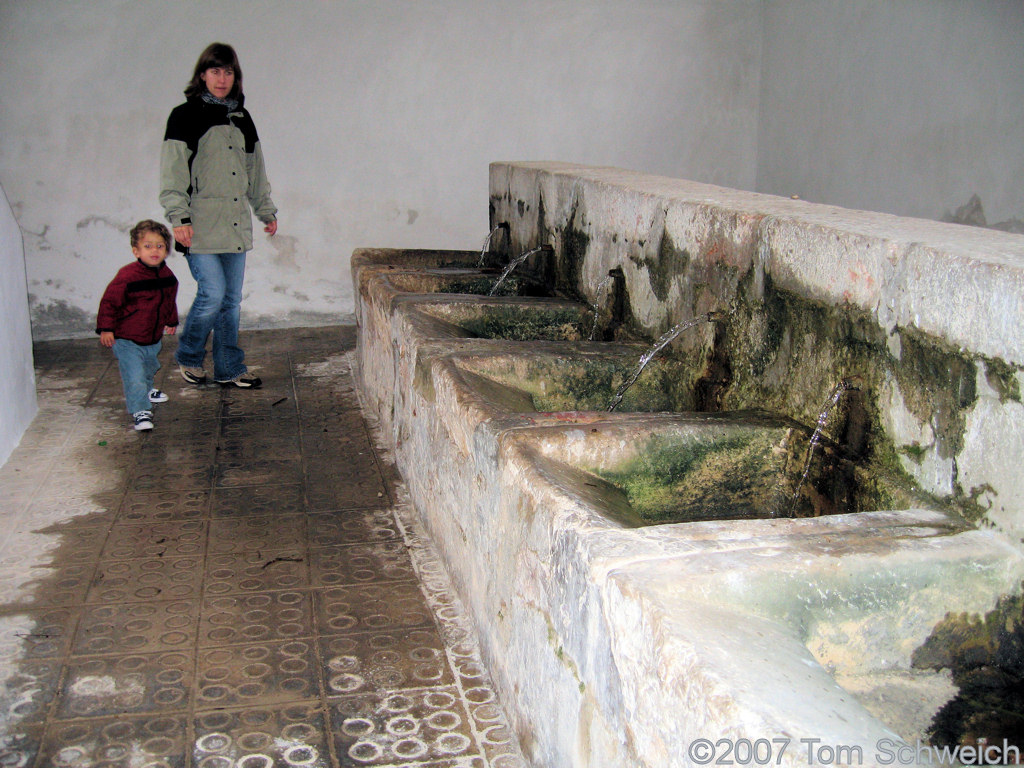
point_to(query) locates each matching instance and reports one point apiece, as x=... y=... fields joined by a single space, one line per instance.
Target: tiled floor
x=242 y=586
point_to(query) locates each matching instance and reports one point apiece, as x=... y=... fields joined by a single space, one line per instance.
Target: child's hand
x=170 y=330
x=271 y=228
x=107 y=338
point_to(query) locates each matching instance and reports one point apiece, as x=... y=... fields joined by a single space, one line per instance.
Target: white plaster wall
x=378 y=122
x=17 y=377
x=906 y=107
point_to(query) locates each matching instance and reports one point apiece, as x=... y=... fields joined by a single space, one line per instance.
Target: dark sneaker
x=192 y=375
x=156 y=396
x=143 y=420
x=242 y=381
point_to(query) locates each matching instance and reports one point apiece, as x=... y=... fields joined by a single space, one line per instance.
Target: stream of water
x=660 y=344
x=512 y=265
x=486 y=245
x=826 y=410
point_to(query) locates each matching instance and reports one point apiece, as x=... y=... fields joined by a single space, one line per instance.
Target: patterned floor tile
x=259 y=617
x=128 y=541
x=147 y=508
x=359 y=662
x=261 y=674
x=406 y=727
x=397 y=605
x=251 y=533
x=271 y=500
x=361 y=563
x=156 y=626
x=133 y=684
x=328 y=529
x=116 y=742
x=230 y=590
x=149 y=578
x=256 y=571
x=232 y=474
x=262 y=737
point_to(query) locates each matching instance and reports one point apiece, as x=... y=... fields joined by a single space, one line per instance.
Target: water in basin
x=501 y=319
x=726 y=466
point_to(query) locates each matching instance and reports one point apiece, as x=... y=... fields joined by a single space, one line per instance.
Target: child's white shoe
x=143 y=420
x=156 y=396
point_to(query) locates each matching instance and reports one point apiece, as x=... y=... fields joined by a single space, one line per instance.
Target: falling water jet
x=659 y=345
x=512 y=265
x=597 y=304
x=487 y=244
x=833 y=399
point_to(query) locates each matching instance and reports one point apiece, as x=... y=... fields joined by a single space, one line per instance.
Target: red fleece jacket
x=139 y=303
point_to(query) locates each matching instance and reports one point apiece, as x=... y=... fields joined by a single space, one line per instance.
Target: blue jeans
x=138 y=364
x=216 y=308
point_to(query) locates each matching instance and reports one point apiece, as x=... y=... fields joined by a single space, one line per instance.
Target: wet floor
x=243 y=586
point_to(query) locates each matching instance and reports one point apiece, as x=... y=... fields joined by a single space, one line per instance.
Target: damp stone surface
x=799 y=529
x=245 y=585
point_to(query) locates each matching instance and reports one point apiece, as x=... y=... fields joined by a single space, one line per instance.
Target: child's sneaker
x=156 y=396
x=143 y=420
x=242 y=381
x=192 y=375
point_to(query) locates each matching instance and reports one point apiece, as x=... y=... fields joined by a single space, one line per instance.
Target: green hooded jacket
x=211 y=171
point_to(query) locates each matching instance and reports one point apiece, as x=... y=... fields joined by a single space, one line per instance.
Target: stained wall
x=17 y=378
x=377 y=119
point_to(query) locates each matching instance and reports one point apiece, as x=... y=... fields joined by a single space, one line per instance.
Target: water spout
x=833 y=399
x=660 y=344
x=487 y=241
x=512 y=265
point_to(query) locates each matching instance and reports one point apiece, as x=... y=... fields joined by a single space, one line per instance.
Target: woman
x=211 y=171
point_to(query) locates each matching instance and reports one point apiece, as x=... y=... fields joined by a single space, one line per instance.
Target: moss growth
x=986 y=657
x=914 y=452
x=671 y=264
x=589 y=385
x=1002 y=377
x=740 y=476
x=939 y=387
x=523 y=324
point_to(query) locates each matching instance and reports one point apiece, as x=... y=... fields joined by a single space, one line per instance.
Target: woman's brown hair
x=216 y=55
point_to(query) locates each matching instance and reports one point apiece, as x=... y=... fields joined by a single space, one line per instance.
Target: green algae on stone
x=524 y=324
x=986 y=658
x=1002 y=377
x=732 y=477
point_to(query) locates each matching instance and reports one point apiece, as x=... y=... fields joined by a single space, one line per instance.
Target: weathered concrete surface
x=930 y=316
x=621 y=646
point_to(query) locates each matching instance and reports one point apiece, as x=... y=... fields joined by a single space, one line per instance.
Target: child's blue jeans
x=138 y=364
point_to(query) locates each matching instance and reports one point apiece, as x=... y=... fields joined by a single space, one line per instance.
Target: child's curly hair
x=148 y=225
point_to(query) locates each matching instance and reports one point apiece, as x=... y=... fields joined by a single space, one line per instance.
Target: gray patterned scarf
x=231 y=104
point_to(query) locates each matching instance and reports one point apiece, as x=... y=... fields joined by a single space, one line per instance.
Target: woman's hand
x=183 y=235
x=107 y=338
x=271 y=228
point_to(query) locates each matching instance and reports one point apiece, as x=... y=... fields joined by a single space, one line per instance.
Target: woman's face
x=219 y=81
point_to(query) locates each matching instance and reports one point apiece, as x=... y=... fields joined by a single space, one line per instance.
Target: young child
x=136 y=310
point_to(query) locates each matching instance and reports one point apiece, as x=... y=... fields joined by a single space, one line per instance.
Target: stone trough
x=687 y=567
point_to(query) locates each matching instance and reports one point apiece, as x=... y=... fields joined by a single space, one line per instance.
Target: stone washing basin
x=723 y=466
x=583 y=377
x=515 y=319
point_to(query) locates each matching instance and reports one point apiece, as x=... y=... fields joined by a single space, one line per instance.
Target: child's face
x=151 y=249
x=219 y=81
